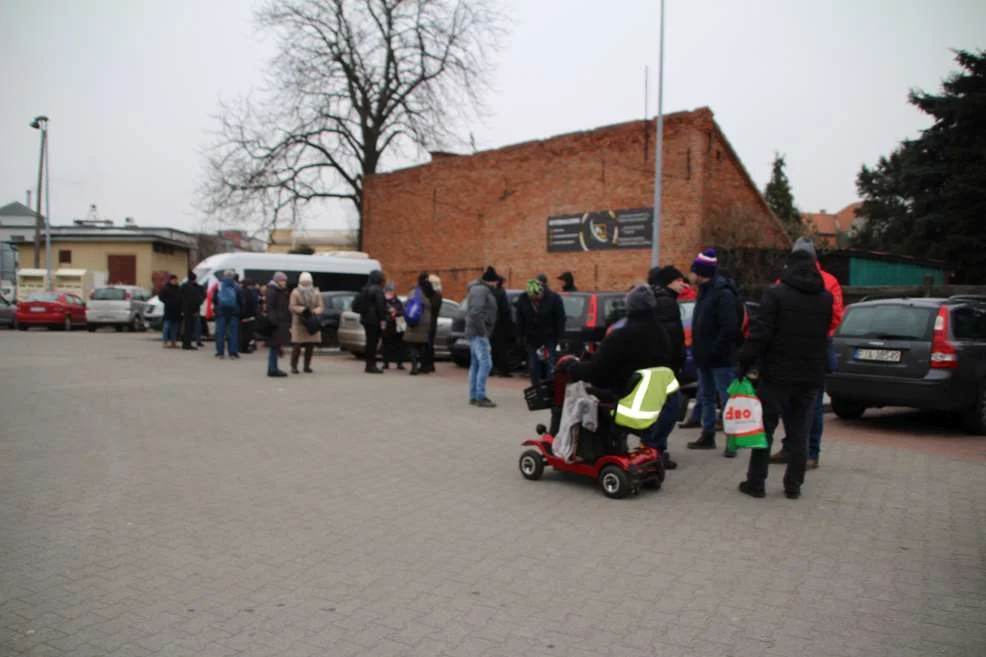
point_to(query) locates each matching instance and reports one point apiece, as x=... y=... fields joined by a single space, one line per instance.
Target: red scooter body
x=618 y=475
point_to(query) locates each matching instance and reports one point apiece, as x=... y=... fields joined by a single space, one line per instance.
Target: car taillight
x=593 y=309
x=127 y=296
x=943 y=353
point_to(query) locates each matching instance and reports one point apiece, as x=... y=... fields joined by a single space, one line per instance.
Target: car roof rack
x=968 y=297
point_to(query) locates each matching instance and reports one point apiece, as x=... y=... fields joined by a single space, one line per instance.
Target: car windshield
x=109 y=294
x=42 y=296
x=889 y=322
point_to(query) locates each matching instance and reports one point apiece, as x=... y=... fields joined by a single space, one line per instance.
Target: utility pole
x=659 y=151
x=39 y=123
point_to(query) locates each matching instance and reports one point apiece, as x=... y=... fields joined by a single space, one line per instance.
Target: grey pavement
x=157 y=502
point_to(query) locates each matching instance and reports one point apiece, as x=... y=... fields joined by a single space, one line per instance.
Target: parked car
x=119 y=306
x=585 y=326
x=8 y=314
x=154 y=314
x=352 y=337
x=335 y=304
x=921 y=353
x=56 y=310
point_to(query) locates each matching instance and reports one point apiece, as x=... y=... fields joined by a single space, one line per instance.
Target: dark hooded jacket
x=191 y=297
x=279 y=315
x=373 y=301
x=669 y=315
x=716 y=324
x=541 y=323
x=789 y=335
x=640 y=344
x=170 y=296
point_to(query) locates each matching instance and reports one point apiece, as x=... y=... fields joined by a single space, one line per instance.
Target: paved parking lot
x=157 y=502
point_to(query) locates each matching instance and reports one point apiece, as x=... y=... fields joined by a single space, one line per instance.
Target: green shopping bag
x=742 y=418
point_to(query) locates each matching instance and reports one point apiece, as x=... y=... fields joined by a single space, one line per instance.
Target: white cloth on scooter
x=580 y=409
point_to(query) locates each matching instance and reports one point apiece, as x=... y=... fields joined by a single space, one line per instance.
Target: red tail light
x=593 y=309
x=127 y=296
x=943 y=353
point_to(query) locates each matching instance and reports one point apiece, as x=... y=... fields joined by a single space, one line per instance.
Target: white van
x=342 y=271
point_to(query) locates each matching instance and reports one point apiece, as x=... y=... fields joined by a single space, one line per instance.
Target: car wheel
x=91 y=328
x=615 y=482
x=974 y=419
x=846 y=409
x=531 y=464
x=118 y=328
x=21 y=327
x=68 y=324
x=137 y=324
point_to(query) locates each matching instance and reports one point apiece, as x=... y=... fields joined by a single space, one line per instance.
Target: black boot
x=308 y=361
x=295 y=353
x=706 y=441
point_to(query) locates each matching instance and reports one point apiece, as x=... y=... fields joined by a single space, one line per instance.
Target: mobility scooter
x=602 y=454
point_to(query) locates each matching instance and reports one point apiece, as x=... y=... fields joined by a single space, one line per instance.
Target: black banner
x=601 y=231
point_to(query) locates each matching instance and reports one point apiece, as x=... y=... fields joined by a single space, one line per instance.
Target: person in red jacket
x=804 y=244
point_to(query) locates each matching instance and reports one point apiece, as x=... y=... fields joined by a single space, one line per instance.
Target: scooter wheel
x=531 y=464
x=615 y=482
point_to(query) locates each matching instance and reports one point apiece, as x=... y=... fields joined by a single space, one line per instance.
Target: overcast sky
x=131 y=86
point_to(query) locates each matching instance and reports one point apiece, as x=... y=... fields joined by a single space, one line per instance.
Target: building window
x=64 y=256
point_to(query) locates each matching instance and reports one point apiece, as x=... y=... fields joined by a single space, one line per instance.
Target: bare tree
x=352 y=81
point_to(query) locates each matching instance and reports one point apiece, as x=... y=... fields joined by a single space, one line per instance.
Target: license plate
x=36 y=309
x=878 y=355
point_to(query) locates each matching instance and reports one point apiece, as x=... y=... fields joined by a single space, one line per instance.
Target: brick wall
x=456 y=215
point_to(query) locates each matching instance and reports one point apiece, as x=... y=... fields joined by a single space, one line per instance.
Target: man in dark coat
x=279 y=321
x=503 y=334
x=666 y=283
x=789 y=340
x=170 y=296
x=373 y=315
x=251 y=308
x=641 y=343
x=568 y=282
x=716 y=328
x=541 y=323
x=191 y=302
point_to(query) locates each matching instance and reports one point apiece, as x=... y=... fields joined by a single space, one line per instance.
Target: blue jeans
x=480 y=364
x=170 y=333
x=657 y=435
x=538 y=366
x=271 y=360
x=713 y=380
x=227 y=327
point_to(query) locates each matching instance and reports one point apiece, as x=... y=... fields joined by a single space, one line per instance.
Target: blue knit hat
x=706 y=264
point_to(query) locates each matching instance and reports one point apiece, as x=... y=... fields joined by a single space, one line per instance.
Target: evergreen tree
x=928 y=197
x=779 y=198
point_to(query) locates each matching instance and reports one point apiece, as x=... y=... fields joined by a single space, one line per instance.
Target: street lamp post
x=41 y=123
x=659 y=151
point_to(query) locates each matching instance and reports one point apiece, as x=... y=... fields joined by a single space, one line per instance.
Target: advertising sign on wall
x=601 y=231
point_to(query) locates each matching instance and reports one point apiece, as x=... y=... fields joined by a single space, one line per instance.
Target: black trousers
x=188 y=326
x=247 y=328
x=793 y=403
x=372 y=344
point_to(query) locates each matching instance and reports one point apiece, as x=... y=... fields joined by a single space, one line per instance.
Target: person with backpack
x=418 y=313
x=307 y=307
x=716 y=334
x=278 y=314
x=228 y=303
x=788 y=344
x=371 y=304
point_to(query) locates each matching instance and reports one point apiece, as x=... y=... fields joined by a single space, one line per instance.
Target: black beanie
x=665 y=275
x=490 y=275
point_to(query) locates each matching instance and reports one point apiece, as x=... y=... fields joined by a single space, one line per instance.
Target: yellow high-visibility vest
x=640 y=409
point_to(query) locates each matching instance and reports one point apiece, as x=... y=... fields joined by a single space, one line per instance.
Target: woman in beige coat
x=306 y=302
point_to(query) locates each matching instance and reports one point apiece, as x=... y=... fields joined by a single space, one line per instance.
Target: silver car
x=119 y=306
x=8 y=314
x=352 y=337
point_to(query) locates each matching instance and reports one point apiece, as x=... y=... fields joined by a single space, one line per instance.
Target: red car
x=55 y=310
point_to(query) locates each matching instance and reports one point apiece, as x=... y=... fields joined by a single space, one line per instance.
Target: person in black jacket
x=434 y=296
x=191 y=302
x=640 y=344
x=170 y=296
x=541 y=322
x=373 y=316
x=568 y=282
x=278 y=309
x=248 y=322
x=789 y=341
x=503 y=334
x=666 y=283
x=716 y=328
